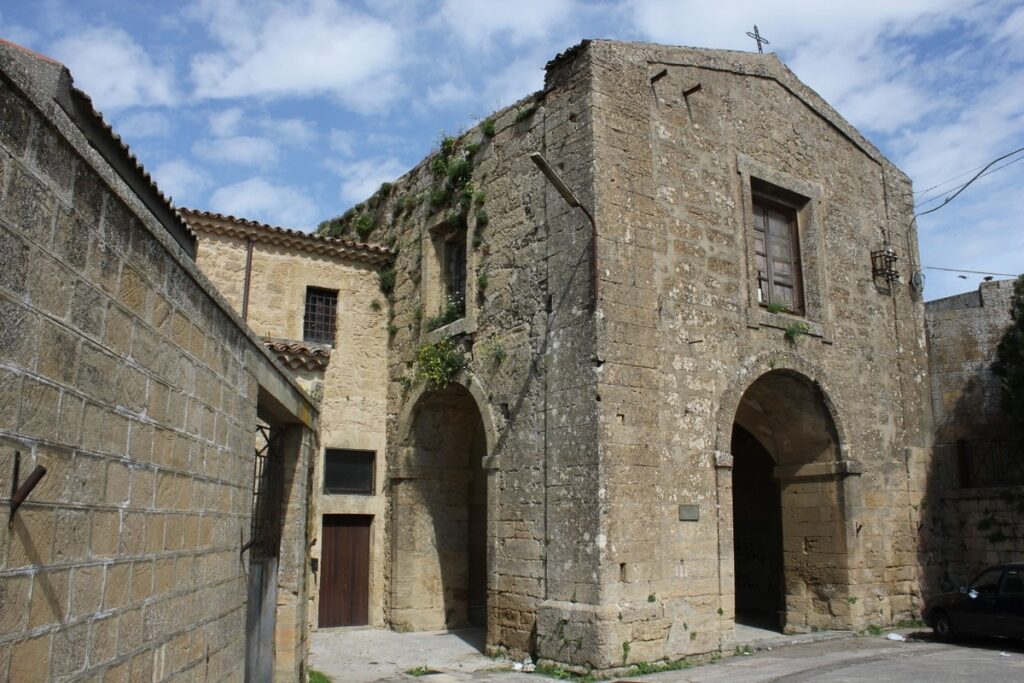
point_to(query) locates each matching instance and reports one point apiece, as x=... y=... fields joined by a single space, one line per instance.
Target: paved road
x=373 y=655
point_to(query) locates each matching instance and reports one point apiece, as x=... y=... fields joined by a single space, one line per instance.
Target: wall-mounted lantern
x=883 y=264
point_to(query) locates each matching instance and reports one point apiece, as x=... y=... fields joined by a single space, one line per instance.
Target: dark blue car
x=991 y=605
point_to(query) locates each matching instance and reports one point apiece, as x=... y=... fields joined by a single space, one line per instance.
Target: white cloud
x=448 y=94
x=480 y=24
x=293 y=132
x=145 y=124
x=226 y=122
x=360 y=179
x=115 y=70
x=244 y=150
x=514 y=82
x=276 y=49
x=342 y=142
x=16 y=33
x=258 y=199
x=181 y=180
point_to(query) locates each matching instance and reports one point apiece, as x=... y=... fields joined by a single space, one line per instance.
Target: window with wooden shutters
x=777 y=251
x=320 y=319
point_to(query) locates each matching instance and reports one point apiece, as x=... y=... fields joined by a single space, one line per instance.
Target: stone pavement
x=374 y=655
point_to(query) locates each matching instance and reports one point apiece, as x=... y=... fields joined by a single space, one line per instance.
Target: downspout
x=248 y=279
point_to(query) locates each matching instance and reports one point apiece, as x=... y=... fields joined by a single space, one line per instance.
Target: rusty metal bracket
x=20 y=492
x=244 y=546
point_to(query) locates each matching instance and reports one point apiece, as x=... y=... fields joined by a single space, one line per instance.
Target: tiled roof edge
x=220 y=224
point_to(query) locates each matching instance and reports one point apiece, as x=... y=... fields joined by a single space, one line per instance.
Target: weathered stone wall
x=600 y=425
x=353 y=408
x=137 y=390
x=963 y=332
x=966 y=529
x=528 y=335
x=681 y=337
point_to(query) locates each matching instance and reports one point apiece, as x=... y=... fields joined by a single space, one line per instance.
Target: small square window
x=320 y=319
x=348 y=471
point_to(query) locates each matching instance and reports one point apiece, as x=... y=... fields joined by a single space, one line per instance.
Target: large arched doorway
x=788 y=515
x=439 y=499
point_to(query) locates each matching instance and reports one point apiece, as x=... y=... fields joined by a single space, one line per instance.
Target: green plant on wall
x=452 y=310
x=495 y=352
x=386 y=280
x=796 y=330
x=439 y=363
x=775 y=308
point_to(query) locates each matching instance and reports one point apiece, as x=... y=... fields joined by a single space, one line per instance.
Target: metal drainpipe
x=248 y=279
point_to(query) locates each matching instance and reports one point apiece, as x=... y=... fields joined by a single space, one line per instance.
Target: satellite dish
x=917 y=281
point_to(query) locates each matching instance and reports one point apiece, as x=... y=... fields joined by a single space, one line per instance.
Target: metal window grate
x=266 y=494
x=321 y=315
x=348 y=471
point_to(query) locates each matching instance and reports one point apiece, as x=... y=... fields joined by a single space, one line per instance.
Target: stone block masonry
x=974 y=479
x=600 y=428
x=135 y=387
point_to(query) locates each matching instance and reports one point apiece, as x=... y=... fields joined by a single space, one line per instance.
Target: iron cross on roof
x=756 y=35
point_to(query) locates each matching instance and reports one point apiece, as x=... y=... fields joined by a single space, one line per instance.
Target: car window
x=988 y=582
x=1013 y=582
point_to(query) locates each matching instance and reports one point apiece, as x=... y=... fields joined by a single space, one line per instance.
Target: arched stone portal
x=439 y=512
x=789 y=535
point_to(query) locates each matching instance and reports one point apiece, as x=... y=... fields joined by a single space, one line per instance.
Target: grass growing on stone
x=420 y=671
x=453 y=310
x=317 y=677
x=797 y=330
x=658 y=667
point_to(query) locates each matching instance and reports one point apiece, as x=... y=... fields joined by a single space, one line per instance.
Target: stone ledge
x=819 y=469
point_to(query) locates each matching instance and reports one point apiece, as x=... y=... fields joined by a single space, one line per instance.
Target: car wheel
x=943 y=627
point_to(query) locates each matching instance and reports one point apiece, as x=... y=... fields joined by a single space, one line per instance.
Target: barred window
x=347 y=471
x=321 y=315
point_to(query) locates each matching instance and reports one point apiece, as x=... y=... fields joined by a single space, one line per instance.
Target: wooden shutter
x=777 y=249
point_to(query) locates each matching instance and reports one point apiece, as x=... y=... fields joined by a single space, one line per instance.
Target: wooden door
x=345 y=571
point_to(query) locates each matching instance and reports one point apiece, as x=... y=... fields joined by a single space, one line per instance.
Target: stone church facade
x=609 y=434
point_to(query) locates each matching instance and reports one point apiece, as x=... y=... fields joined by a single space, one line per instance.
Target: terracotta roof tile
x=297 y=354
x=219 y=223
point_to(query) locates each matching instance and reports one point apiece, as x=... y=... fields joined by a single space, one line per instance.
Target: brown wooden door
x=345 y=571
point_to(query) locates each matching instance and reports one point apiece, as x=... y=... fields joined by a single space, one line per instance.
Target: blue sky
x=290 y=112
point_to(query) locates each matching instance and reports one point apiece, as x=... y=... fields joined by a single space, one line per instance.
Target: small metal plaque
x=689 y=513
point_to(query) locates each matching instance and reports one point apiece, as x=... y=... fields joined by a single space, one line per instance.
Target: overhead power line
x=984 y=174
x=947 y=181
x=972 y=272
x=969 y=182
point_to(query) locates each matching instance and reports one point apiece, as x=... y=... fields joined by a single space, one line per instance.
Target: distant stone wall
x=963 y=332
x=137 y=390
x=970 y=518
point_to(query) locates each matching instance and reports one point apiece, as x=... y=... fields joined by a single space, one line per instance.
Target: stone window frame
x=370 y=491
x=433 y=282
x=758 y=178
x=323 y=331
